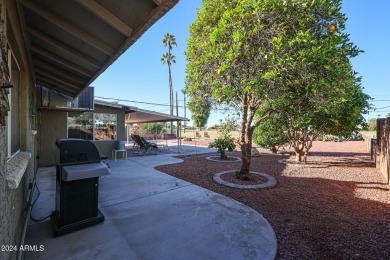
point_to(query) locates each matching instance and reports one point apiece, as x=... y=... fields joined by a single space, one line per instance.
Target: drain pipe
x=27 y=219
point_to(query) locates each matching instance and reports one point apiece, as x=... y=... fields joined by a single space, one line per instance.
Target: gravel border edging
x=271 y=181
x=270 y=154
x=237 y=159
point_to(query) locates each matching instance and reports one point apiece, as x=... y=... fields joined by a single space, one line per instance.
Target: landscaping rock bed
x=308 y=164
x=338 y=212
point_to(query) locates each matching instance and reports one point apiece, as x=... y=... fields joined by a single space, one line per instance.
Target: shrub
x=151 y=128
x=271 y=133
x=223 y=143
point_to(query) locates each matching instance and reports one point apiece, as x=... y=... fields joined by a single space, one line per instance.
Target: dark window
x=105 y=126
x=90 y=126
x=80 y=125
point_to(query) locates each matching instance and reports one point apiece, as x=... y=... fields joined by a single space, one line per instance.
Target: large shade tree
x=247 y=53
x=339 y=114
x=200 y=111
x=313 y=61
x=227 y=61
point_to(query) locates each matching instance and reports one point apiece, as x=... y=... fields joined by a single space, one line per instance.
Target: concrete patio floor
x=152 y=215
x=173 y=149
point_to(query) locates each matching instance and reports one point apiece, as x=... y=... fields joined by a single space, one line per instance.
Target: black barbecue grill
x=78 y=168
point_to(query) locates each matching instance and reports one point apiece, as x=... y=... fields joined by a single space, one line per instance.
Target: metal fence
x=373 y=149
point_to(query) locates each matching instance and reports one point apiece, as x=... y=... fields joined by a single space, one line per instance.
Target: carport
x=147 y=116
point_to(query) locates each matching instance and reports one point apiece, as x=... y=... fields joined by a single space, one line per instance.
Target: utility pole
x=177 y=105
x=177 y=114
x=185 y=122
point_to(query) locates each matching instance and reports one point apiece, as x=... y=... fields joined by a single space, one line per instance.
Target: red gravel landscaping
x=338 y=212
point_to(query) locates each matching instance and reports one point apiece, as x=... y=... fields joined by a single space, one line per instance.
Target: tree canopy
x=227 y=60
x=200 y=111
x=276 y=55
x=271 y=133
x=312 y=57
x=151 y=128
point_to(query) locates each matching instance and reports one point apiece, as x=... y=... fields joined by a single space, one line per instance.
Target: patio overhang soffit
x=147 y=116
x=71 y=42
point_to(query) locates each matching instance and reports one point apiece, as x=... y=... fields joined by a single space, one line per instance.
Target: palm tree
x=169 y=59
x=169 y=40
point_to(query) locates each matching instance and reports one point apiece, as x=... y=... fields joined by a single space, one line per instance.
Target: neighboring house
x=62 y=45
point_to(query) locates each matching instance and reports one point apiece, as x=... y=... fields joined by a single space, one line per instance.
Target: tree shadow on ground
x=340 y=159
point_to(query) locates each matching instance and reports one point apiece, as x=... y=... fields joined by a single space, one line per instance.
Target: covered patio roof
x=127 y=109
x=147 y=116
x=135 y=115
x=70 y=43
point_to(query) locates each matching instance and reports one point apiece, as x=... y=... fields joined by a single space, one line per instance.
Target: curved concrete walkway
x=151 y=215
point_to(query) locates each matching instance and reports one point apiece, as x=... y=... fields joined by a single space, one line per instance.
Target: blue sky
x=138 y=75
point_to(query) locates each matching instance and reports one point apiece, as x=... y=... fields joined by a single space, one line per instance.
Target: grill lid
x=76 y=151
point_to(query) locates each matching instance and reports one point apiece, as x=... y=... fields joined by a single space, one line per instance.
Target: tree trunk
x=170 y=90
x=308 y=145
x=305 y=156
x=273 y=149
x=223 y=155
x=244 y=173
x=298 y=154
x=245 y=143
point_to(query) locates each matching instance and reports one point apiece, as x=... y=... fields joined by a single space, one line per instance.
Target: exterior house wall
x=53 y=125
x=383 y=147
x=14 y=178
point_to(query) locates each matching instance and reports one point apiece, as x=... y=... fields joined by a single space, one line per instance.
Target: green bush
x=270 y=134
x=223 y=143
x=151 y=128
x=372 y=124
